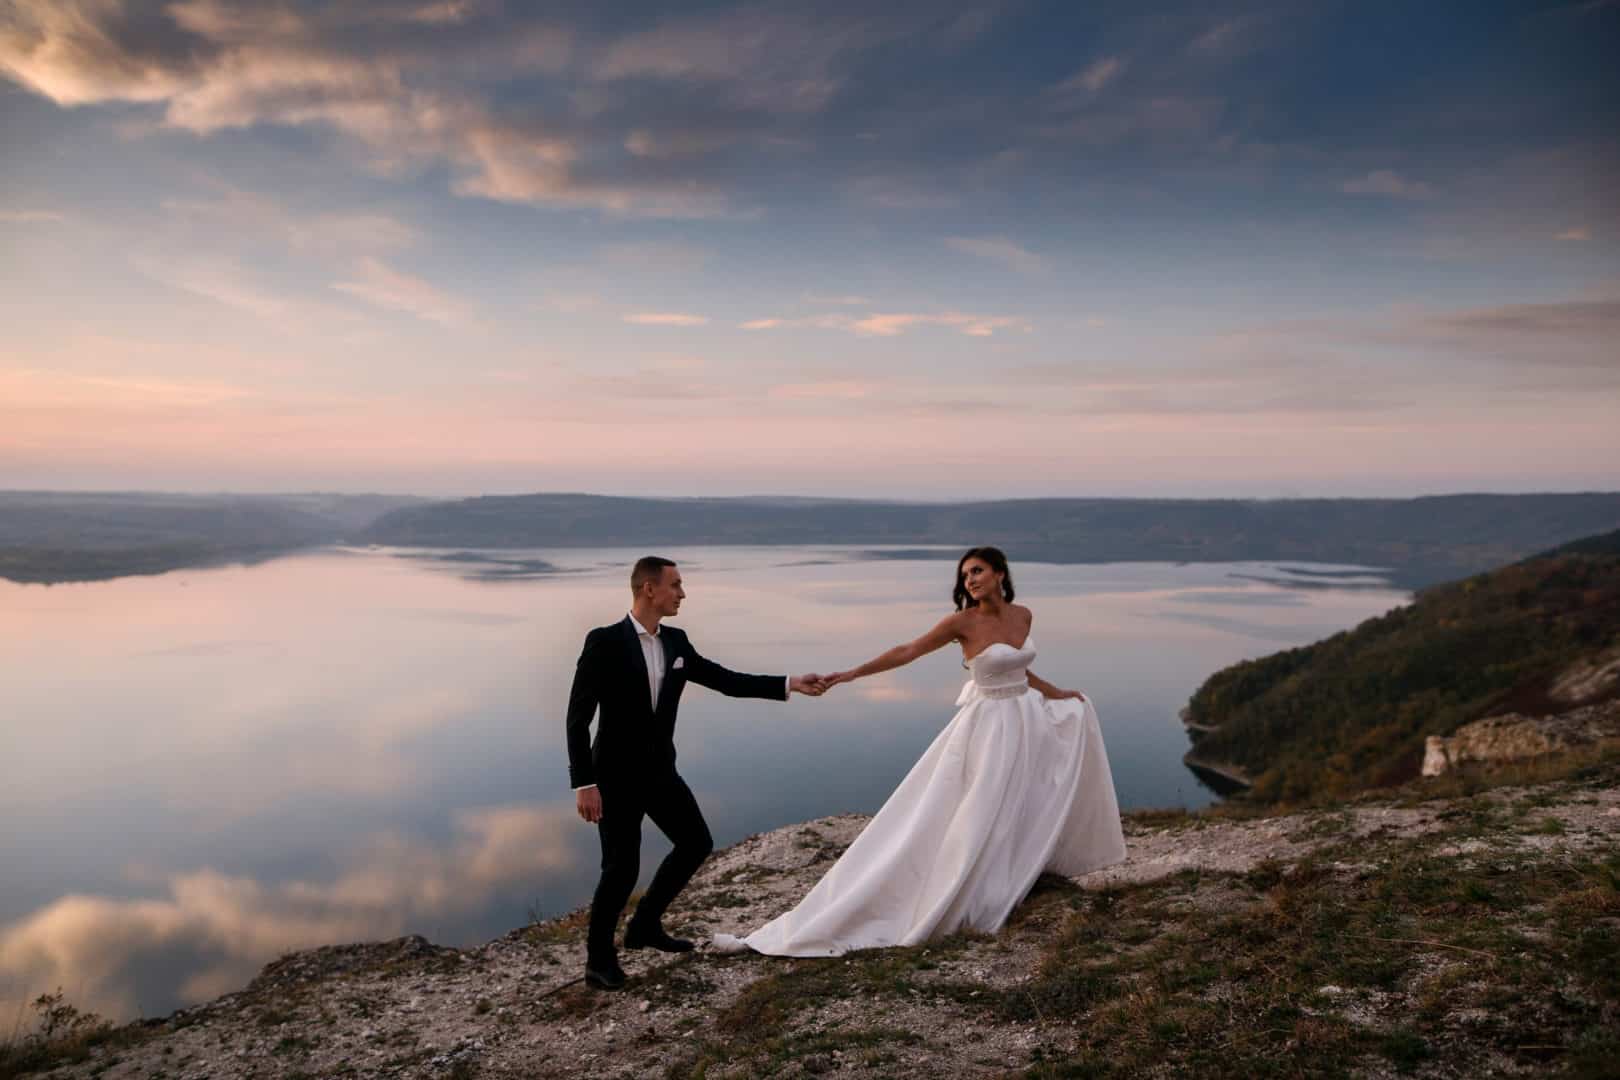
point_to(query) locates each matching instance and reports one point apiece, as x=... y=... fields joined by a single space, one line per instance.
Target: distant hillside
x=1606 y=544
x=76 y=536
x=66 y=536
x=1352 y=711
x=1423 y=540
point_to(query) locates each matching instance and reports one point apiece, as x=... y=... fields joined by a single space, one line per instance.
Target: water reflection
x=206 y=768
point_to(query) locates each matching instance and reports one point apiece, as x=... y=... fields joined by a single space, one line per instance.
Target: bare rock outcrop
x=1512 y=737
x=1586 y=681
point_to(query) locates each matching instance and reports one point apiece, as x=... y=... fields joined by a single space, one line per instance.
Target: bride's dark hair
x=993 y=558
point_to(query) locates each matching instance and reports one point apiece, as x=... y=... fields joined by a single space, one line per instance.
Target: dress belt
x=1015 y=690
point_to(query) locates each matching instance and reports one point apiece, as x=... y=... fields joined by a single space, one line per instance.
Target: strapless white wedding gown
x=1015 y=785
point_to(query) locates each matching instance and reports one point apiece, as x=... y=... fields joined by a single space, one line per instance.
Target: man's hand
x=588 y=800
x=811 y=685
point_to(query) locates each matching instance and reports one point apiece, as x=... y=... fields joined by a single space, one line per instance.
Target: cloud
x=417 y=87
x=848 y=389
x=669 y=379
x=674 y=144
x=775 y=58
x=900 y=193
x=130 y=392
x=1231 y=38
x=219 y=929
x=72 y=53
x=890 y=325
x=529 y=163
x=1594 y=322
x=999 y=249
x=1387 y=182
x=1431 y=358
x=219 y=279
x=380 y=284
x=31 y=217
x=549 y=108
x=238 y=212
x=1580 y=234
x=1093 y=77
x=447 y=11
x=666 y=318
x=893 y=324
x=1500 y=345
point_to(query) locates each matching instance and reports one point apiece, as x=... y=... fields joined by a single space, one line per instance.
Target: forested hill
x=62 y=536
x=1352 y=711
x=48 y=536
x=1421 y=540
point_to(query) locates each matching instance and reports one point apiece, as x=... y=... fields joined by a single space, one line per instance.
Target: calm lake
x=204 y=769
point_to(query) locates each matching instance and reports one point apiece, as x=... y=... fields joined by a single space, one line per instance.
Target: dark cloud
x=1595 y=322
x=726 y=109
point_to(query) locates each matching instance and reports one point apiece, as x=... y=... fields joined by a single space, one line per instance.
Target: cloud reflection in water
x=222 y=928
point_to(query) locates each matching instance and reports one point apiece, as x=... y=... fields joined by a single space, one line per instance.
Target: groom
x=634 y=672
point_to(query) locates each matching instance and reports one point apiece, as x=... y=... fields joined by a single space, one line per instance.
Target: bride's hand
x=837 y=678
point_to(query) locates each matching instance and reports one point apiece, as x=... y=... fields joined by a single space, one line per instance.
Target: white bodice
x=1002 y=670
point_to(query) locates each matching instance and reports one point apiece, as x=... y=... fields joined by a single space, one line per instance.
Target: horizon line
x=782 y=496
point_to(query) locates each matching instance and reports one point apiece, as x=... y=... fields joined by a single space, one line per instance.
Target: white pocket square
x=680 y=662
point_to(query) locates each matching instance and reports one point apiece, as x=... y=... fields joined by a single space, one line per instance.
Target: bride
x=1016 y=784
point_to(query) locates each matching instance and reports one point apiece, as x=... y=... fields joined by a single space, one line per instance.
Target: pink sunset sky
x=928 y=251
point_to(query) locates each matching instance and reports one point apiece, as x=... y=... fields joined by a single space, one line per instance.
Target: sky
x=917 y=250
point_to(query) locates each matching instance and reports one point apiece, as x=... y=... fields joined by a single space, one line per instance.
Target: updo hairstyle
x=993 y=558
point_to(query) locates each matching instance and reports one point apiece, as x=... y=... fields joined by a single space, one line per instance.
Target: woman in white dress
x=1016 y=784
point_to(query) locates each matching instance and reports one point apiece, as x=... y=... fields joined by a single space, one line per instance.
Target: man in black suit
x=633 y=672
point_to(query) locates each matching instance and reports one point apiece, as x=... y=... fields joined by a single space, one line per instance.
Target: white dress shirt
x=652 y=650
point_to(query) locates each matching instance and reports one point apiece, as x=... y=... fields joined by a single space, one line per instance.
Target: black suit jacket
x=632 y=737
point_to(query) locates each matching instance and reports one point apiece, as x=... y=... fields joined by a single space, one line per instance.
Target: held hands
x=811 y=685
x=814 y=685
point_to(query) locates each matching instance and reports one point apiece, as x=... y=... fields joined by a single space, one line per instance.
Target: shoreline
x=1227 y=773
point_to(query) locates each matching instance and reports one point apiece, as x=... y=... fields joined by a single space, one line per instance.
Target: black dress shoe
x=636 y=937
x=604 y=974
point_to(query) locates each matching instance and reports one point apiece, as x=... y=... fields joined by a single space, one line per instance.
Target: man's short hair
x=648 y=568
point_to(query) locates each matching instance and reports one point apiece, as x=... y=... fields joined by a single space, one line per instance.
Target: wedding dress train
x=1013 y=786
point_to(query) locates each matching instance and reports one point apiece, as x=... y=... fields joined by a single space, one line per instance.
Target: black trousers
x=664 y=797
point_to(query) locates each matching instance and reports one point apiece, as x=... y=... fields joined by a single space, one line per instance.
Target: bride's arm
x=940 y=636
x=1049 y=691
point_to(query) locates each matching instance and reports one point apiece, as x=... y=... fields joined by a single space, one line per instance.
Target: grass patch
x=64 y=1035
x=1326 y=968
x=757 y=1028
x=567 y=929
x=1374 y=955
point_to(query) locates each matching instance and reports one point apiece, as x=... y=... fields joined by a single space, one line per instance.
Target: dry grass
x=1372 y=955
